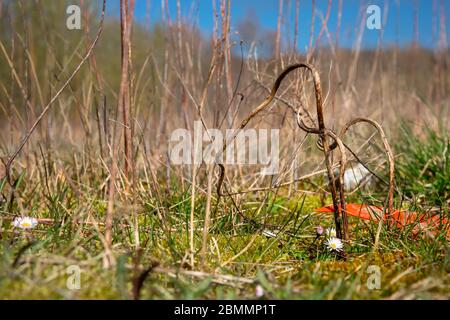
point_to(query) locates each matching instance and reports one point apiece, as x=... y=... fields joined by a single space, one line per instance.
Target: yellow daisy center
x=26 y=224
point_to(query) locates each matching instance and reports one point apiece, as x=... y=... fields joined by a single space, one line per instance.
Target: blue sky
x=398 y=29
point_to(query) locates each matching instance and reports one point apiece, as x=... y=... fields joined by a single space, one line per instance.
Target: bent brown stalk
x=321 y=131
x=389 y=154
x=338 y=196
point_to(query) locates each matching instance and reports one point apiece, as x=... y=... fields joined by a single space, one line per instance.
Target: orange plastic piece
x=420 y=223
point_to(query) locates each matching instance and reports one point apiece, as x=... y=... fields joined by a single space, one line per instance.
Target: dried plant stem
x=192 y=213
x=278 y=35
x=322 y=29
x=126 y=22
x=389 y=154
x=338 y=196
x=207 y=213
x=126 y=15
x=338 y=202
x=340 y=215
x=296 y=27
x=311 y=31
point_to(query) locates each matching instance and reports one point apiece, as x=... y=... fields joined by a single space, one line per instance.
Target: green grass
x=423 y=169
x=295 y=265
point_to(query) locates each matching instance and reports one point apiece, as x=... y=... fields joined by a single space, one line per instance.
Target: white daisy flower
x=25 y=223
x=334 y=244
x=331 y=232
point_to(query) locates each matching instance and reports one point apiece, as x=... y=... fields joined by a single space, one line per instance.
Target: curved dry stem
x=340 y=213
x=389 y=153
x=257 y=110
x=321 y=131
